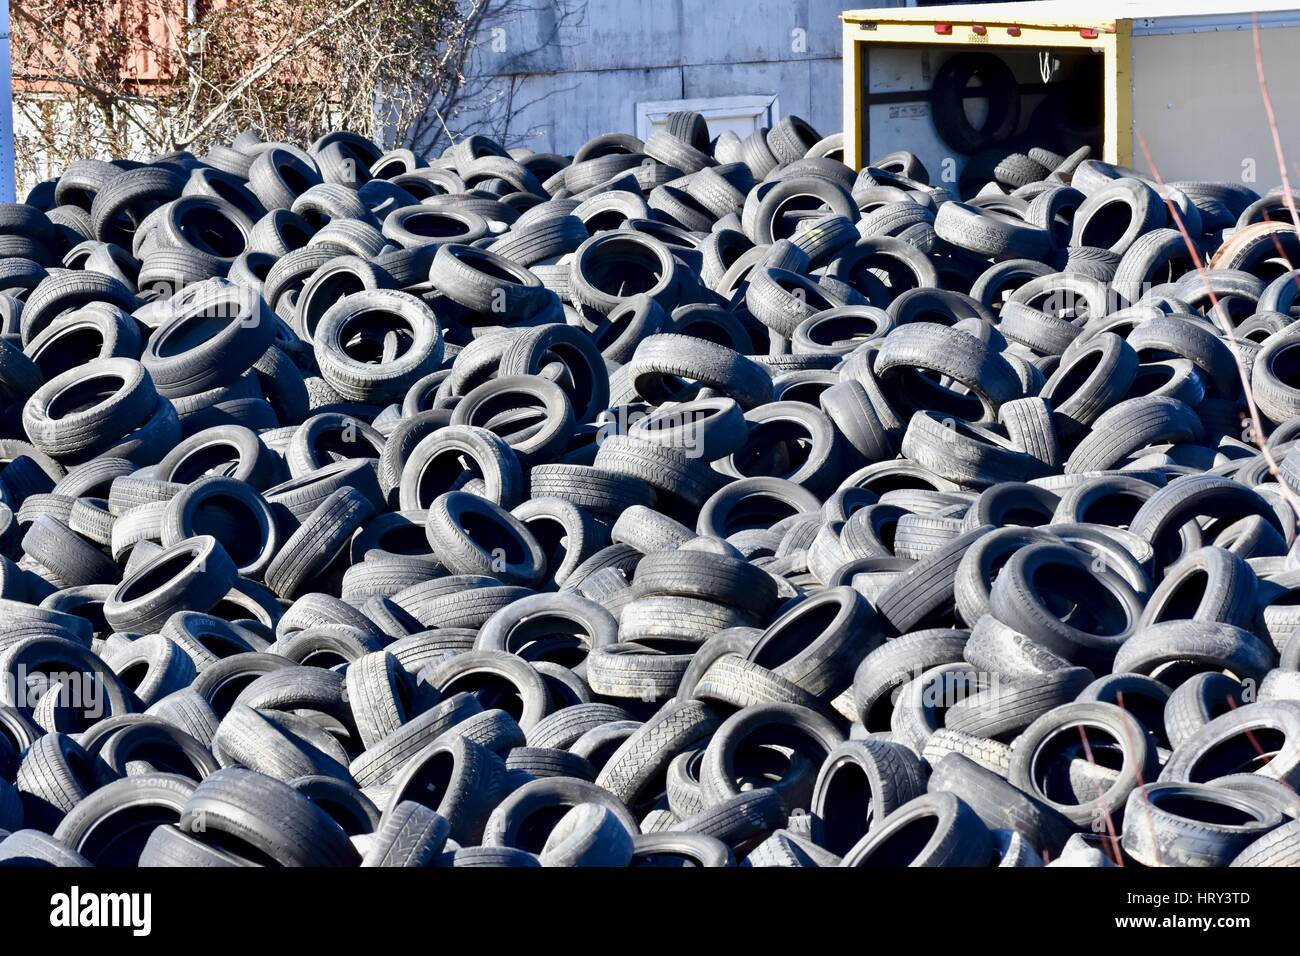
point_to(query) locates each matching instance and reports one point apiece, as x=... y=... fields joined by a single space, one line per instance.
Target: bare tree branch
x=266 y=66
x=134 y=80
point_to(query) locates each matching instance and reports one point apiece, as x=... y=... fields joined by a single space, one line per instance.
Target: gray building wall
x=566 y=71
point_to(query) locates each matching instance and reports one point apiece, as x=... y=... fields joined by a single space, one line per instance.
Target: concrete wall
x=583 y=75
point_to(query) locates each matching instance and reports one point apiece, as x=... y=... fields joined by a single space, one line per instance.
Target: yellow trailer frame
x=992 y=26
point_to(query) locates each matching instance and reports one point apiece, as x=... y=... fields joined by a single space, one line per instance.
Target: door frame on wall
x=763 y=108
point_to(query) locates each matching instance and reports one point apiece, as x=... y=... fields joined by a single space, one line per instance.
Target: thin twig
x=263 y=68
x=1272 y=121
x=1219 y=317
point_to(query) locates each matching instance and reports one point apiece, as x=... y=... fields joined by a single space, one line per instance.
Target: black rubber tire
x=525 y=695
x=192 y=575
x=957 y=837
x=496 y=543
x=589 y=835
x=277 y=177
x=82 y=412
x=523 y=816
x=458 y=778
x=1010 y=704
x=949 y=353
x=947 y=101
x=374 y=314
x=187 y=355
x=268 y=817
x=966 y=453
x=860 y=784
x=169 y=846
x=661 y=362
x=988 y=233
x=1197 y=701
x=1163 y=827
x=639 y=764
x=1169 y=509
x=711 y=577
x=122 y=203
x=434 y=466
x=1062 y=732
x=1112 y=607
x=808 y=732
x=925 y=592
x=381 y=763
x=408 y=835
x=819 y=643
x=33 y=848
x=1000 y=804
x=679 y=849
x=112 y=826
x=229 y=510
x=1144 y=212
x=1253 y=737
x=317 y=542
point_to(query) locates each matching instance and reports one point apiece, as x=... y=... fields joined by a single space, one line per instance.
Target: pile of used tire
x=681 y=502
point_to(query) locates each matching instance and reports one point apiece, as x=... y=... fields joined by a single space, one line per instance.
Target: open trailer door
x=950 y=82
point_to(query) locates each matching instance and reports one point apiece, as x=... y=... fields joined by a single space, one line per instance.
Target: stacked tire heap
x=683 y=502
